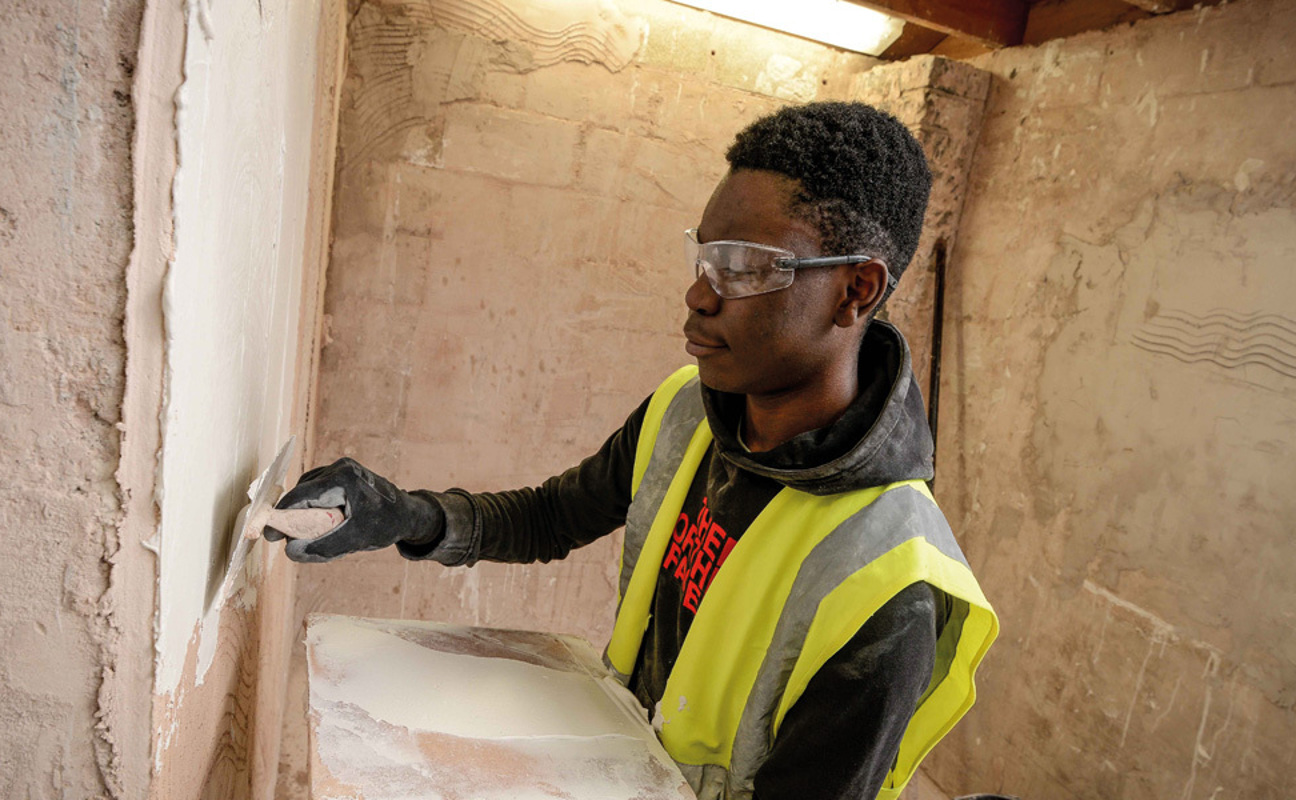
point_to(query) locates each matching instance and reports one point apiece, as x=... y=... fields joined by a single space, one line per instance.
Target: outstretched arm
x=542 y=523
x=458 y=527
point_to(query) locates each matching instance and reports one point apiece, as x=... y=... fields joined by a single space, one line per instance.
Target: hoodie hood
x=881 y=438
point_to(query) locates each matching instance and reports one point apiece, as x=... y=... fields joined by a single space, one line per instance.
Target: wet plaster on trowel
x=404 y=709
x=231 y=304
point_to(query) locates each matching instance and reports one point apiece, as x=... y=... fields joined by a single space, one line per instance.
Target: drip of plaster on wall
x=232 y=294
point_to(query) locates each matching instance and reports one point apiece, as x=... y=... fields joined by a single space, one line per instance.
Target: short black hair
x=862 y=177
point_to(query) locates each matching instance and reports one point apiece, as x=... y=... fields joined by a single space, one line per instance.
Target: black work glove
x=377 y=513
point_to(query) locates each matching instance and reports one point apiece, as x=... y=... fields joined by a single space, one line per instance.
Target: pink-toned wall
x=74 y=658
x=1117 y=439
x=507 y=282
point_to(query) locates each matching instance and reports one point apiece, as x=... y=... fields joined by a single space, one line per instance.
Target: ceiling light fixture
x=835 y=22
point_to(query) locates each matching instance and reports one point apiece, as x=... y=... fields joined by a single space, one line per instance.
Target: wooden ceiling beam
x=914 y=40
x=1061 y=18
x=993 y=23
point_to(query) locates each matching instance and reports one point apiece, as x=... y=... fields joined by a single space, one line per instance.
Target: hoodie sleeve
x=542 y=523
x=842 y=735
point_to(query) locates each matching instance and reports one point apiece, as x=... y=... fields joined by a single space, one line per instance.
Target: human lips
x=699 y=344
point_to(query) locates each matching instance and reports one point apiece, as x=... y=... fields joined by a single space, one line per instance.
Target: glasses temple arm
x=836 y=261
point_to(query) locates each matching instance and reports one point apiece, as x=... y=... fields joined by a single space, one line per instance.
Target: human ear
x=866 y=285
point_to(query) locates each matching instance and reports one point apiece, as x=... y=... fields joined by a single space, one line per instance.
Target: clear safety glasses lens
x=738 y=269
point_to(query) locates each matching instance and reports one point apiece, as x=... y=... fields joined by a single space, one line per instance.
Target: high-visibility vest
x=802 y=580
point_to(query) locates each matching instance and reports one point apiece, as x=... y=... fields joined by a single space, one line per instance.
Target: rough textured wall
x=1121 y=401
x=507 y=277
x=941 y=101
x=68 y=727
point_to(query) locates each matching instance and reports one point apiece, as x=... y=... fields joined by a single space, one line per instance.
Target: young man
x=794 y=611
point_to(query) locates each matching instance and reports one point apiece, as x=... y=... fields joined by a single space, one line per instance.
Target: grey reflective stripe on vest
x=897 y=516
x=678 y=424
x=710 y=782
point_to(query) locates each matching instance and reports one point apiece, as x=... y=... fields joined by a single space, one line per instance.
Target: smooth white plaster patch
x=233 y=290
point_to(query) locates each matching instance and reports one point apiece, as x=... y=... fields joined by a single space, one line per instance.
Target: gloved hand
x=377 y=513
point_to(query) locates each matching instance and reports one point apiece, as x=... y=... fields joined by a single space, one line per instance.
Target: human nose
x=701 y=297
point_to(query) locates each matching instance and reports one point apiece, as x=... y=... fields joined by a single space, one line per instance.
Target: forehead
x=753 y=206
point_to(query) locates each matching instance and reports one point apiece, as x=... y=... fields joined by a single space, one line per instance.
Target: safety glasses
x=743 y=269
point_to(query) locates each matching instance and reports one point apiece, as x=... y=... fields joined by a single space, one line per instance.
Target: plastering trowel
x=306 y=523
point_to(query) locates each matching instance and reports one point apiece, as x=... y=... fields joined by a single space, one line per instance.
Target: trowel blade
x=266 y=489
x=262 y=494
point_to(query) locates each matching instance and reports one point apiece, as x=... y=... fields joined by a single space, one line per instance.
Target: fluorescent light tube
x=835 y=22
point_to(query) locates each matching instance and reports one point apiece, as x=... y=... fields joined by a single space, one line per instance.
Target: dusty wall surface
x=942 y=102
x=87 y=158
x=1120 y=401
x=74 y=666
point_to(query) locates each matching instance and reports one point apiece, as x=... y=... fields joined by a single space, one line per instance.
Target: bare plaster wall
x=74 y=663
x=942 y=102
x=1120 y=407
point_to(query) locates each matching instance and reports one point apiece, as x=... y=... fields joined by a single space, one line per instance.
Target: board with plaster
x=407 y=709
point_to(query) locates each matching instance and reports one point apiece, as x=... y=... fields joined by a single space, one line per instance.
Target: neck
x=772 y=419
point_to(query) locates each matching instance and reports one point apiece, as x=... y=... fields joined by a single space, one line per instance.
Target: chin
x=720 y=380
x=710 y=378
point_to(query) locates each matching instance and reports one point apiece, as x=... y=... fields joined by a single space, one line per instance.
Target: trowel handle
x=304 y=523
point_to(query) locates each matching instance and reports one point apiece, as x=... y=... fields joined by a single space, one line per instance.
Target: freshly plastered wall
x=88 y=147
x=75 y=596
x=231 y=296
x=1119 y=409
x=229 y=312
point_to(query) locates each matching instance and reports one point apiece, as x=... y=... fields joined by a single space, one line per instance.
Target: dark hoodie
x=841 y=736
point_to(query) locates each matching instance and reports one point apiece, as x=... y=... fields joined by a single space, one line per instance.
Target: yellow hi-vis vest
x=802 y=580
